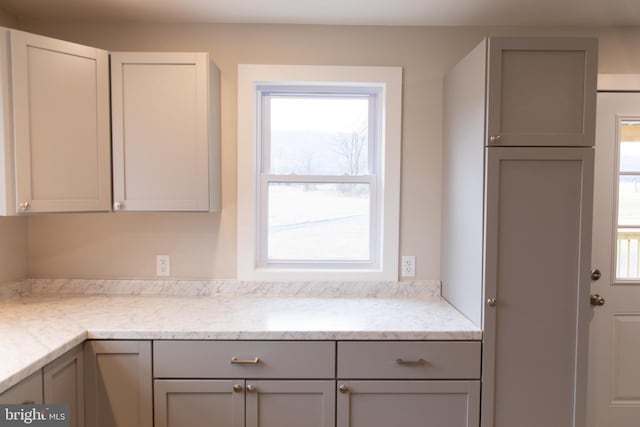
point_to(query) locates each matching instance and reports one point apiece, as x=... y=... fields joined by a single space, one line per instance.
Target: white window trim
x=252 y=76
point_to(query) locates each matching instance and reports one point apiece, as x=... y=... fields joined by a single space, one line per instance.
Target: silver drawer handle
x=236 y=361
x=418 y=362
x=29 y=402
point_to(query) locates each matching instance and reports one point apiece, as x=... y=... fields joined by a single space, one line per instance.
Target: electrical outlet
x=163 y=265
x=408 y=266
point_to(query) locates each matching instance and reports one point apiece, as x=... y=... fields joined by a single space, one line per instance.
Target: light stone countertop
x=36 y=328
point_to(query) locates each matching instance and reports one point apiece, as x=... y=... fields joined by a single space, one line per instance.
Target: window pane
x=319 y=136
x=630 y=156
x=318 y=222
x=629 y=200
x=628 y=255
x=630 y=146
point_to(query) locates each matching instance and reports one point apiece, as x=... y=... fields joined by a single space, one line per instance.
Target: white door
x=614 y=356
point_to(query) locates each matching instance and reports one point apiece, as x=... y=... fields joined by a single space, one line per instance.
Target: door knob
x=595 y=274
x=492 y=302
x=597 y=300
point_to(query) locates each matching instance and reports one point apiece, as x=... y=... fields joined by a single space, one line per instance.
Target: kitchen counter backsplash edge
x=212 y=288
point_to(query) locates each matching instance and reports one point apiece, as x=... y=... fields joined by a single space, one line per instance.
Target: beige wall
x=13 y=249
x=13 y=231
x=204 y=246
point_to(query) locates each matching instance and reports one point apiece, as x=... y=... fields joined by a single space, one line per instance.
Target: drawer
x=409 y=360
x=243 y=359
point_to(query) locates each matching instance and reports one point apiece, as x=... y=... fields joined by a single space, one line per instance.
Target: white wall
x=204 y=246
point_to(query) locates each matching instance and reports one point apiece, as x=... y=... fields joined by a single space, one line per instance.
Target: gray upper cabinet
x=540 y=91
x=164 y=140
x=55 y=113
x=63 y=381
x=517 y=212
x=118 y=384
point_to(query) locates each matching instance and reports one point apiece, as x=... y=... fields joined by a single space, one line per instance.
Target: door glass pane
x=629 y=200
x=630 y=156
x=319 y=135
x=628 y=230
x=318 y=222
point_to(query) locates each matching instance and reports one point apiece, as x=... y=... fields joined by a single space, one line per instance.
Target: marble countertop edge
x=47 y=356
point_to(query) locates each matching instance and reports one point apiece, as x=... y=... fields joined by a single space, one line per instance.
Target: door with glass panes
x=614 y=355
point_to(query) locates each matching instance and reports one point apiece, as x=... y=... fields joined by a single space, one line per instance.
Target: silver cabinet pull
x=24 y=206
x=117 y=206
x=418 y=362
x=343 y=389
x=236 y=361
x=28 y=402
x=496 y=139
x=492 y=302
x=251 y=388
x=237 y=388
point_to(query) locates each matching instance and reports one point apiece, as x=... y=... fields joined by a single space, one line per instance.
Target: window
x=628 y=222
x=318 y=172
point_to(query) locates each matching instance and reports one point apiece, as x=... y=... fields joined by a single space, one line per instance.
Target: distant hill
x=305 y=152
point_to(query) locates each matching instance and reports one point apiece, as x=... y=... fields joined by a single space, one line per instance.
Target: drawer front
x=409 y=360
x=243 y=359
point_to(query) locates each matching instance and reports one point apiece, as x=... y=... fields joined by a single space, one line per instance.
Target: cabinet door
x=538 y=249
x=290 y=403
x=160 y=104
x=118 y=383
x=64 y=384
x=408 y=403
x=199 y=403
x=542 y=91
x=27 y=391
x=61 y=125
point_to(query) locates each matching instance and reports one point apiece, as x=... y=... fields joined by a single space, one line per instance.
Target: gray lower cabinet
x=244 y=383
x=59 y=382
x=63 y=381
x=197 y=403
x=408 y=403
x=290 y=403
x=28 y=391
x=239 y=403
x=408 y=384
x=118 y=384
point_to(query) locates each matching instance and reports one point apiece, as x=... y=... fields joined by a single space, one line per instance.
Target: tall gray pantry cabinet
x=517 y=202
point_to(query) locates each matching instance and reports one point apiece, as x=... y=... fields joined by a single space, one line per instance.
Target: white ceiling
x=351 y=12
